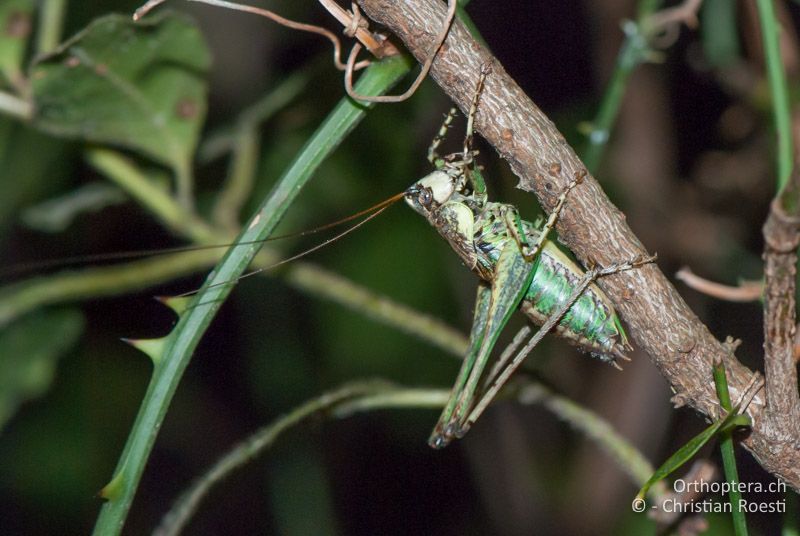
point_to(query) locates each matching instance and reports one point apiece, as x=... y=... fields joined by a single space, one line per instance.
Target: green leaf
x=686 y=452
x=721 y=384
x=737 y=421
x=137 y=85
x=32 y=166
x=16 y=22
x=29 y=351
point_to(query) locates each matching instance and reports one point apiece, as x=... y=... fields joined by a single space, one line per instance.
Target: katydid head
x=431 y=192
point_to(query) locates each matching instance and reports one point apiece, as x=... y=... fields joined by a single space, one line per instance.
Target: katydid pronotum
x=519 y=268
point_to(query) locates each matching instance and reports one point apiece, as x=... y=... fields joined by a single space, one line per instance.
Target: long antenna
x=381 y=207
x=21 y=269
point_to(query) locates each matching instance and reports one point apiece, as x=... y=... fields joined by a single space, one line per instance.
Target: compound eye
x=425 y=197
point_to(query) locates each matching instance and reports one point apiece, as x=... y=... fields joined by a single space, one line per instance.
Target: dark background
x=691 y=164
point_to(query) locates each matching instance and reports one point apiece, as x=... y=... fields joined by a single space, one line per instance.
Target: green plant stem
x=319 y=282
x=124 y=172
x=732 y=475
x=585 y=421
x=647 y=8
x=728 y=455
x=15 y=106
x=627 y=60
x=241 y=177
x=719 y=35
x=359 y=397
x=405 y=398
x=181 y=343
x=184 y=185
x=791 y=525
x=51 y=24
x=632 y=53
x=378 y=394
x=222 y=141
x=20 y=298
x=781 y=108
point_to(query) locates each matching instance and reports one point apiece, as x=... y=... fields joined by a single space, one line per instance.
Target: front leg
x=433 y=155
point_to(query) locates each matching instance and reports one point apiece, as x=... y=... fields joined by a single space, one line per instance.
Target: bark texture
x=781 y=240
x=660 y=322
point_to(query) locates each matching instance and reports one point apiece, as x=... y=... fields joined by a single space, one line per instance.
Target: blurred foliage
x=17 y=18
x=56 y=215
x=138 y=85
x=28 y=361
x=143 y=89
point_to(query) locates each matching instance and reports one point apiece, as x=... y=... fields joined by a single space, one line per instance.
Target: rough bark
x=660 y=322
x=781 y=240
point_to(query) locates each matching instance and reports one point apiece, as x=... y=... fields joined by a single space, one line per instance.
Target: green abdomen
x=590 y=324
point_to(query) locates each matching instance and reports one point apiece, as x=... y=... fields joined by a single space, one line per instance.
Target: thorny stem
x=176 y=349
x=660 y=322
